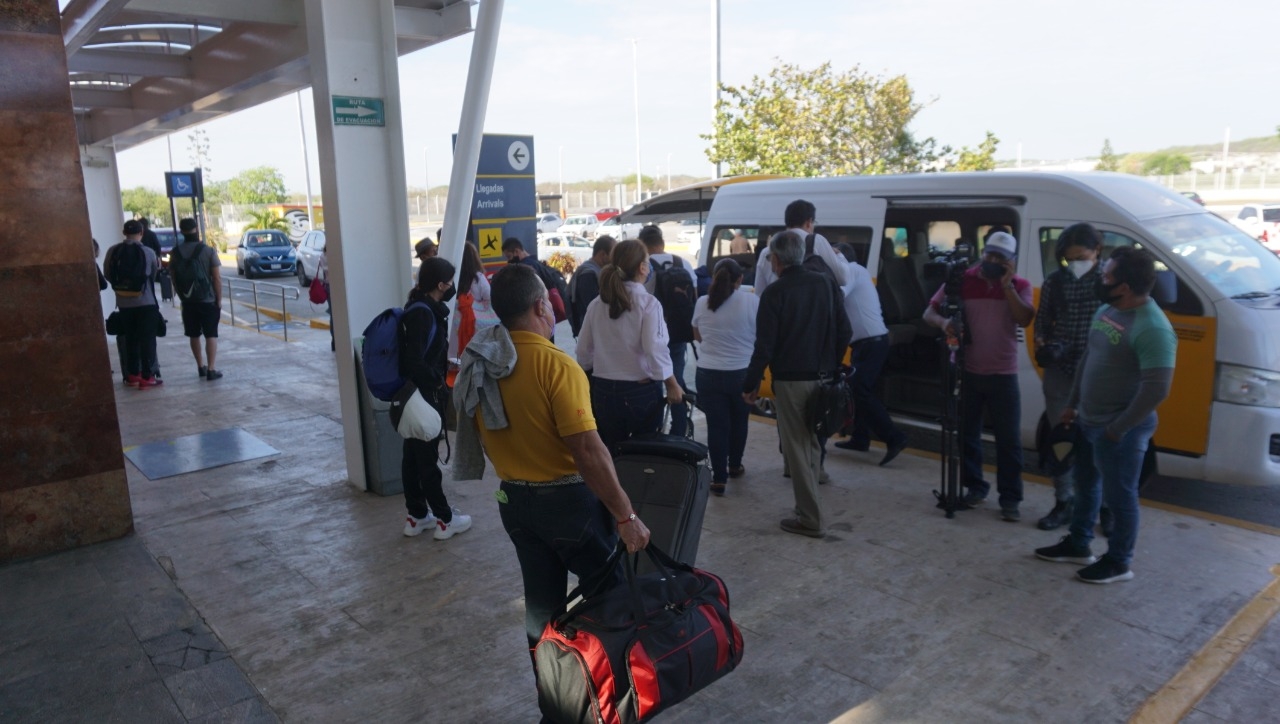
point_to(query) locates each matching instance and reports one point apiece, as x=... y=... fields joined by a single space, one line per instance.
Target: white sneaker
x=416 y=526
x=459 y=524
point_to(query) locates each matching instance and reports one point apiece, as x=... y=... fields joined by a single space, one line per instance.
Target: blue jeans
x=556 y=530
x=720 y=397
x=1107 y=471
x=869 y=416
x=680 y=412
x=999 y=393
x=624 y=409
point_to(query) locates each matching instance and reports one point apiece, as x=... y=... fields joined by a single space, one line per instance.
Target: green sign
x=355 y=111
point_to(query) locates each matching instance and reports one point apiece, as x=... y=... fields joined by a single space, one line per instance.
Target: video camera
x=956 y=262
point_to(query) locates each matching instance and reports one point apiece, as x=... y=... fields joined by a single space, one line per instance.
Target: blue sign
x=185 y=184
x=505 y=203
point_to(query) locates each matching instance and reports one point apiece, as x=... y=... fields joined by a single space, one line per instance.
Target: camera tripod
x=952 y=445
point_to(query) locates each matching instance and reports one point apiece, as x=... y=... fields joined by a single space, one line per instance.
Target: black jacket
x=801 y=328
x=426 y=371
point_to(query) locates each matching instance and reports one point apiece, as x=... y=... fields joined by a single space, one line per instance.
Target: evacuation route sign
x=355 y=111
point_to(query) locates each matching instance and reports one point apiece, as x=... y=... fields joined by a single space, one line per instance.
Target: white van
x=1221 y=421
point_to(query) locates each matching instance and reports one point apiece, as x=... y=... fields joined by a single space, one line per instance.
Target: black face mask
x=992 y=270
x=448 y=294
x=1105 y=292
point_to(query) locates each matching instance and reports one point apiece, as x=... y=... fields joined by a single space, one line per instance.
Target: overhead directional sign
x=356 y=111
x=505 y=202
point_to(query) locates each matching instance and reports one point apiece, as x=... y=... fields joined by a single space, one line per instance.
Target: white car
x=584 y=226
x=309 y=251
x=691 y=232
x=1262 y=222
x=548 y=223
x=575 y=246
x=619 y=231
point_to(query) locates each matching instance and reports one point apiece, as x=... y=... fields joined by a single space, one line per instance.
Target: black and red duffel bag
x=625 y=654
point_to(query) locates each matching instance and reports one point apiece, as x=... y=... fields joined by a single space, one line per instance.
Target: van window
x=897 y=237
x=858 y=237
x=744 y=243
x=1186 y=301
x=1228 y=258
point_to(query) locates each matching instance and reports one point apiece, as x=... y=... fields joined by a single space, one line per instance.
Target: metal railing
x=231 y=285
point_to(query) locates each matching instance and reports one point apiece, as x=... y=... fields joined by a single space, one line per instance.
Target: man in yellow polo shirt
x=560 y=499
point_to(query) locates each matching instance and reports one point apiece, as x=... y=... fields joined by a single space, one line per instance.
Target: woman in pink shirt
x=623 y=348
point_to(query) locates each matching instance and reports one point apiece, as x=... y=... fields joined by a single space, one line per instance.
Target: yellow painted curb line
x=1176 y=698
x=319 y=324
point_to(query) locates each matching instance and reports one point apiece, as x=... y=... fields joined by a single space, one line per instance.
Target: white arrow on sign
x=359 y=111
x=518 y=156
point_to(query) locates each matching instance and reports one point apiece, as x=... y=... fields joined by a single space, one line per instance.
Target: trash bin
x=383 y=446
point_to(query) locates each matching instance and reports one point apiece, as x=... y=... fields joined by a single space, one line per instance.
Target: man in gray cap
x=131 y=270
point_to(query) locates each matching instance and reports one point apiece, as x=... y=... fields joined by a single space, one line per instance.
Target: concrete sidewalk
x=330 y=614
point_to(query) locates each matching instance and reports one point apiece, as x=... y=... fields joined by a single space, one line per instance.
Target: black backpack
x=815 y=263
x=677 y=293
x=190 y=274
x=577 y=304
x=128 y=272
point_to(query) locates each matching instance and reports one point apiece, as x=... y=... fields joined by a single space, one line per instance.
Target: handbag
x=319 y=293
x=115 y=325
x=412 y=416
x=832 y=404
x=162 y=327
x=626 y=654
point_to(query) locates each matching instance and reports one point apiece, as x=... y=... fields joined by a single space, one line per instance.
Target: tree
x=267 y=219
x=981 y=159
x=261 y=185
x=146 y=203
x=818 y=122
x=1107 y=160
x=198 y=153
x=1163 y=163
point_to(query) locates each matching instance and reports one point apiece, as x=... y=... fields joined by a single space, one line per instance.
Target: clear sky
x=1057 y=78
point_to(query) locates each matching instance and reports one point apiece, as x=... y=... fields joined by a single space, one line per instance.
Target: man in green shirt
x=1126 y=371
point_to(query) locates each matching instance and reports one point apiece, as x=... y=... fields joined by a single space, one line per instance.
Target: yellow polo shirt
x=546 y=399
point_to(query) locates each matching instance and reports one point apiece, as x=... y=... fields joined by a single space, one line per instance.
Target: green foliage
x=1132 y=163
x=216 y=237
x=261 y=185
x=562 y=261
x=1163 y=163
x=267 y=219
x=983 y=158
x=146 y=203
x=215 y=193
x=1107 y=160
x=818 y=123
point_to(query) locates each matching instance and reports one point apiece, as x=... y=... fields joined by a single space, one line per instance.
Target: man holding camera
x=996 y=302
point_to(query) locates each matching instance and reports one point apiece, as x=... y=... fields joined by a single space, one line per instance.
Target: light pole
x=306 y=162
x=426 y=180
x=715 y=79
x=668 y=171
x=635 y=80
x=561 y=156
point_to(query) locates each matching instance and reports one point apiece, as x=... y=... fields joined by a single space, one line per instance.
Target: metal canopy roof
x=140 y=69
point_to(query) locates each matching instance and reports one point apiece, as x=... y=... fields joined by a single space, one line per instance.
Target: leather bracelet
x=626 y=520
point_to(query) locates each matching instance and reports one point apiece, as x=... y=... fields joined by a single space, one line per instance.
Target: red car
x=603 y=214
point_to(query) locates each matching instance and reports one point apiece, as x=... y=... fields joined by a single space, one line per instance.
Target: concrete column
x=62 y=481
x=353 y=53
x=102 y=194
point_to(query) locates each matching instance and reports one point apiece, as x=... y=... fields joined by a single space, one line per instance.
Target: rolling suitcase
x=668 y=479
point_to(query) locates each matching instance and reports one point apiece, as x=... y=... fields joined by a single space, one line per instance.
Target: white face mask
x=1080 y=268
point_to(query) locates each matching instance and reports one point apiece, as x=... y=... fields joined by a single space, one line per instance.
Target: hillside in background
x=1262 y=144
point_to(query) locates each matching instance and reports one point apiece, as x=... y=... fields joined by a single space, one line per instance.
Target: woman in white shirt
x=623 y=348
x=724 y=323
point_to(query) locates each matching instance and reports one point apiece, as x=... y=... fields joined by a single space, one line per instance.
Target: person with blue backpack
x=423 y=353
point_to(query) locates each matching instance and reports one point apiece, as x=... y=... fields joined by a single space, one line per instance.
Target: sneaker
x=458 y=524
x=793 y=525
x=717 y=488
x=416 y=526
x=1105 y=571
x=855 y=446
x=133 y=380
x=1010 y=515
x=1064 y=551
x=213 y=375
x=156 y=381
x=737 y=471
x=146 y=382
x=823 y=478
x=973 y=499
x=1056 y=518
x=202 y=371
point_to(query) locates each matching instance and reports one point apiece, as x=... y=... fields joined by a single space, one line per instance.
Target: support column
x=102 y=194
x=362 y=178
x=62 y=482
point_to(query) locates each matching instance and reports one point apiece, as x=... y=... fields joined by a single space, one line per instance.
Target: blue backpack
x=382 y=352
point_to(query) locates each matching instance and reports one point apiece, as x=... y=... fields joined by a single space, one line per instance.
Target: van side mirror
x=1165 y=292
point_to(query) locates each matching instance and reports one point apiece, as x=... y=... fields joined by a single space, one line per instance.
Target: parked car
x=584 y=226
x=691 y=232
x=603 y=214
x=1193 y=196
x=265 y=251
x=618 y=230
x=168 y=239
x=575 y=246
x=309 y=251
x=548 y=223
x=1262 y=222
